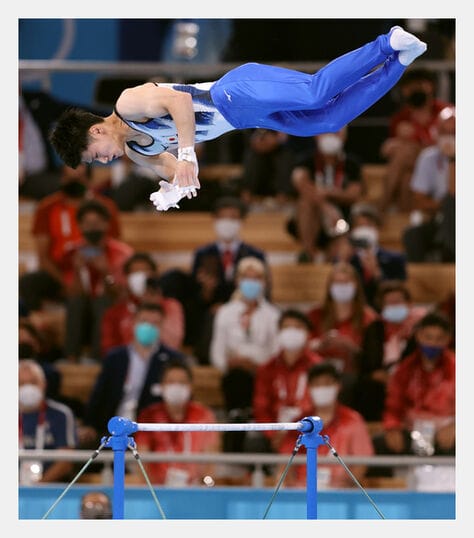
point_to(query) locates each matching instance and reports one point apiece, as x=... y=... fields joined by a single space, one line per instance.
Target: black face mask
x=417 y=99
x=94 y=236
x=25 y=351
x=74 y=189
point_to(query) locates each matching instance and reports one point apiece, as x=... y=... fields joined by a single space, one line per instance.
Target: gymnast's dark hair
x=70 y=135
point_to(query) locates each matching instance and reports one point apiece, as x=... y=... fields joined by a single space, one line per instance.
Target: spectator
x=130 y=374
x=387 y=340
x=339 y=323
x=373 y=262
x=346 y=429
x=96 y=505
x=44 y=424
x=280 y=393
x=268 y=159
x=431 y=237
x=178 y=406
x=43 y=305
x=92 y=269
x=55 y=226
x=327 y=184
x=32 y=345
x=211 y=281
x=244 y=336
x=419 y=410
x=143 y=284
x=410 y=131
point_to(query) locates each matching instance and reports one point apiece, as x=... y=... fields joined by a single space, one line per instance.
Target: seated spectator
x=431 y=236
x=55 y=226
x=178 y=407
x=43 y=304
x=327 y=184
x=419 y=412
x=130 y=374
x=267 y=160
x=92 y=271
x=244 y=336
x=346 y=430
x=387 y=340
x=95 y=505
x=44 y=424
x=280 y=392
x=373 y=262
x=411 y=130
x=143 y=285
x=339 y=323
x=211 y=281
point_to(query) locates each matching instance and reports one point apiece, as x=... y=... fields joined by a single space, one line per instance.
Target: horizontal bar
x=218 y=427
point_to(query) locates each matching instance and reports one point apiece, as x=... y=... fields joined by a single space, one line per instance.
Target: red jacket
x=413 y=392
x=278 y=385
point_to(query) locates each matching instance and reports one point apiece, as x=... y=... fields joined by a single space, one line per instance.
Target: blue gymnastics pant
x=301 y=104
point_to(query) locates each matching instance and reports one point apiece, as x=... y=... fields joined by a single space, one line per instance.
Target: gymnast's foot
x=408 y=45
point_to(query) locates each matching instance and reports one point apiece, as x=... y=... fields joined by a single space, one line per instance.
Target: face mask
x=322 y=396
x=29 y=396
x=176 y=393
x=366 y=235
x=74 y=189
x=330 y=144
x=137 y=282
x=342 y=292
x=431 y=352
x=251 y=288
x=417 y=99
x=94 y=236
x=395 y=313
x=292 y=338
x=227 y=229
x=447 y=144
x=146 y=334
x=25 y=351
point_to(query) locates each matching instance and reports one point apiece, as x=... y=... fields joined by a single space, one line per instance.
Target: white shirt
x=229 y=337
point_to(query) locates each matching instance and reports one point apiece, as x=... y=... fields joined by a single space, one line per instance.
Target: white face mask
x=137 y=282
x=366 y=233
x=330 y=144
x=342 y=292
x=292 y=338
x=396 y=313
x=322 y=396
x=227 y=229
x=29 y=396
x=176 y=393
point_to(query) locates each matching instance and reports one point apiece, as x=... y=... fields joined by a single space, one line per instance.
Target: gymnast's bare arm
x=151 y=101
x=164 y=164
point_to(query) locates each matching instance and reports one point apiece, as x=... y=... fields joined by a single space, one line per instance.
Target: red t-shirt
x=56 y=217
x=424 y=134
x=348 y=435
x=176 y=442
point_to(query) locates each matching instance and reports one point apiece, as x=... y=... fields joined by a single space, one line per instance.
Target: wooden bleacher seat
x=373 y=177
x=220 y=172
x=306 y=283
x=77 y=381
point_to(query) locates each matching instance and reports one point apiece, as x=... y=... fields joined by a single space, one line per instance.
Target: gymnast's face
x=103 y=146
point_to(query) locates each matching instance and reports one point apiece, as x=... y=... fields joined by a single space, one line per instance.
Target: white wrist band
x=187 y=154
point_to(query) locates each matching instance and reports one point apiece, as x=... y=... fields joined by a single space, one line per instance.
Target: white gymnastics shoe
x=408 y=45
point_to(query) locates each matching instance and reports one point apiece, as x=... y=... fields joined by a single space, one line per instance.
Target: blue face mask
x=431 y=352
x=395 y=313
x=146 y=333
x=250 y=288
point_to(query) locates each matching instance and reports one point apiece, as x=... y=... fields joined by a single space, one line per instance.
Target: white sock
x=406 y=57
